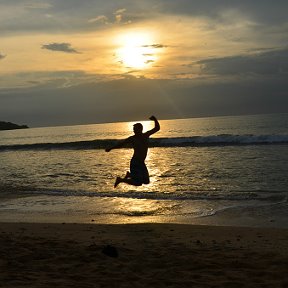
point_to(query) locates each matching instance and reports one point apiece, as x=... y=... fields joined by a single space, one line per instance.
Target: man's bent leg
x=128 y=175
x=129 y=181
x=117 y=181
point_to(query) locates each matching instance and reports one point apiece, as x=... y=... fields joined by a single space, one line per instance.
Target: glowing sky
x=89 y=61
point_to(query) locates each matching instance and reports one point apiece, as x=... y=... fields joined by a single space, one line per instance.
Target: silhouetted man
x=138 y=174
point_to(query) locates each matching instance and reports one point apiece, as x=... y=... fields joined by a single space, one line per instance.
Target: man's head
x=138 y=128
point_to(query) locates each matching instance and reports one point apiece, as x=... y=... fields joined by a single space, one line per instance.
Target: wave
x=176 y=196
x=195 y=141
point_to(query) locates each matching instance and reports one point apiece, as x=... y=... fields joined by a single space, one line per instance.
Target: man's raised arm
x=156 y=128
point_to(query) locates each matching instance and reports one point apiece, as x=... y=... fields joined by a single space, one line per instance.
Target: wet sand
x=141 y=255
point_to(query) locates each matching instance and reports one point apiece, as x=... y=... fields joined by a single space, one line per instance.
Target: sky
x=69 y=62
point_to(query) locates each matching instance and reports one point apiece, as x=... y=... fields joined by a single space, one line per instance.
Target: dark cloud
x=68 y=15
x=130 y=99
x=263 y=11
x=41 y=80
x=60 y=47
x=156 y=46
x=274 y=62
x=74 y=15
x=2 y=56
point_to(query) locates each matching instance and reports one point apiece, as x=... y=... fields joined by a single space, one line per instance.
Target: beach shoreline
x=117 y=210
x=145 y=255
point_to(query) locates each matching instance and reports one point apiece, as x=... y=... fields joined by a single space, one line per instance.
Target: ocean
x=228 y=170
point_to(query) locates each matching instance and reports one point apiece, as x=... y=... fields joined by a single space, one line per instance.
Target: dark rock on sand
x=110 y=251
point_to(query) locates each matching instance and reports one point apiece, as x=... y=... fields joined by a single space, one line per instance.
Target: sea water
x=217 y=170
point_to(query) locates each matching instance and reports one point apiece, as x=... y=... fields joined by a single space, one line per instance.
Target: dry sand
x=141 y=255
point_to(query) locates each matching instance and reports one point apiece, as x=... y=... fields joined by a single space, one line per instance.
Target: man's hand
x=155 y=129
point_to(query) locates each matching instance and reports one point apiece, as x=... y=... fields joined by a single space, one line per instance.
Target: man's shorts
x=139 y=172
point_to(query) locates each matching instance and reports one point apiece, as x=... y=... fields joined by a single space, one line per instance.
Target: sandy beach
x=141 y=255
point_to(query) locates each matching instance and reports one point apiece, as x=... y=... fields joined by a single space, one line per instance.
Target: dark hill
x=11 y=126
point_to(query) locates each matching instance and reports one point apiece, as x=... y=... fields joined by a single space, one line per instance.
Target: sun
x=135 y=50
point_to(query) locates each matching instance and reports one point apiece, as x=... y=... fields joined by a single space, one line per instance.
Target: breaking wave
x=195 y=141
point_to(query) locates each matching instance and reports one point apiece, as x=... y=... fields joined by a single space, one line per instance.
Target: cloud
x=68 y=15
x=129 y=99
x=105 y=20
x=269 y=12
x=60 y=47
x=156 y=46
x=35 y=80
x=73 y=14
x=99 y=19
x=273 y=62
x=35 y=5
x=118 y=15
x=120 y=11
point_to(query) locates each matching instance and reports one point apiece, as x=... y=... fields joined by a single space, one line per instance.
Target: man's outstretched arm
x=119 y=145
x=156 y=128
